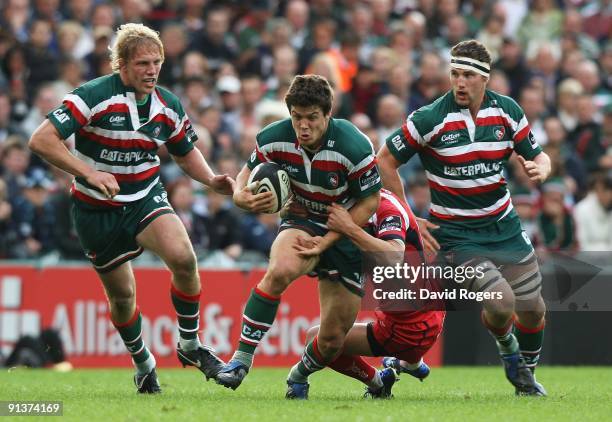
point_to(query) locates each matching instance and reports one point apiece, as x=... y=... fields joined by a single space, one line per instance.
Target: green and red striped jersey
x=343 y=170
x=102 y=115
x=465 y=159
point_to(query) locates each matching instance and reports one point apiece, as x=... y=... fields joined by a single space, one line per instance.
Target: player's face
x=310 y=124
x=142 y=70
x=468 y=87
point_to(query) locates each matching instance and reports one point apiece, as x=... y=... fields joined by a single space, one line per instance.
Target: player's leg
x=166 y=237
x=260 y=310
x=525 y=280
x=497 y=316
x=350 y=362
x=120 y=288
x=338 y=310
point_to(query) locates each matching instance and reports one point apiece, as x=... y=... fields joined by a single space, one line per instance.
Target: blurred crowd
x=231 y=63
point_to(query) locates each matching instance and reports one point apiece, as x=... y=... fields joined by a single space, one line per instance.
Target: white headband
x=467 y=63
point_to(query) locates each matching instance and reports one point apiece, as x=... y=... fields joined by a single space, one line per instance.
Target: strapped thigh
x=524 y=278
x=491 y=276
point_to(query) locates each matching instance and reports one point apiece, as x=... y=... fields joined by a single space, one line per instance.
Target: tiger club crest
x=499 y=132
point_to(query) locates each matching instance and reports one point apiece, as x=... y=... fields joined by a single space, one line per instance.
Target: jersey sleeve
x=405 y=141
x=257 y=156
x=72 y=114
x=180 y=142
x=525 y=143
x=364 y=178
x=390 y=224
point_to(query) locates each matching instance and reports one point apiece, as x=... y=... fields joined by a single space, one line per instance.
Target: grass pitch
x=451 y=393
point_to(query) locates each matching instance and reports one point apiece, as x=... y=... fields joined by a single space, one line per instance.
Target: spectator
x=258 y=232
x=15 y=159
x=45 y=101
x=98 y=60
x=587 y=137
x=297 y=14
x=524 y=200
x=532 y=102
x=8 y=231
x=593 y=215
x=418 y=195
x=71 y=76
x=563 y=160
x=567 y=98
x=221 y=228
x=542 y=23
x=216 y=42
x=34 y=216
x=8 y=126
x=390 y=114
x=41 y=62
x=556 y=227
x=512 y=62
x=228 y=87
x=174 y=39
x=63 y=232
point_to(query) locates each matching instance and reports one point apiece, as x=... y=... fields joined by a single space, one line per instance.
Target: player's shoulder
x=507 y=104
x=348 y=140
x=169 y=99
x=97 y=90
x=279 y=131
x=430 y=115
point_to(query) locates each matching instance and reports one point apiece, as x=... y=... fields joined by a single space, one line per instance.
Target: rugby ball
x=271 y=178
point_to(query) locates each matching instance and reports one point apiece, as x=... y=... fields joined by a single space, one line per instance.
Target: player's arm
x=243 y=196
x=196 y=167
x=339 y=221
x=48 y=144
x=388 y=165
x=359 y=215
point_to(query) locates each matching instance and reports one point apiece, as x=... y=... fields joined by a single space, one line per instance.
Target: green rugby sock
x=131 y=334
x=187 y=309
x=311 y=362
x=506 y=342
x=258 y=317
x=530 y=342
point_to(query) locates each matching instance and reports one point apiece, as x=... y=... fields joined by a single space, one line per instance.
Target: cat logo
x=156 y=131
x=499 y=132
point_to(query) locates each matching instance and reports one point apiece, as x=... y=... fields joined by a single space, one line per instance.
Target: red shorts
x=407 y=339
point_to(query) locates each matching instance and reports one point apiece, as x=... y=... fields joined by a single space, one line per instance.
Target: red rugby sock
x=354 y=367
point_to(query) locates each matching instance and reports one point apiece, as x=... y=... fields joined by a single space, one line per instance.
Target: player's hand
x=309 y=247
x=245 y=199
x=339 y=220
x=223 y=184
x=429 y=242
x=537 y=173
x=294 y=208
x=104 y=182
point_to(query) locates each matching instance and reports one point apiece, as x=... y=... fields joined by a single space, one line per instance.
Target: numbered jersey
x=465 y=159
x=102 y=115
x=343 y=170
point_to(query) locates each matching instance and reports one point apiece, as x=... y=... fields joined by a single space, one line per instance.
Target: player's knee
x=277 y=279
x=330 y=344
x=311 y=333
x=183 y=265
x=501 y=306
x=122 y=302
